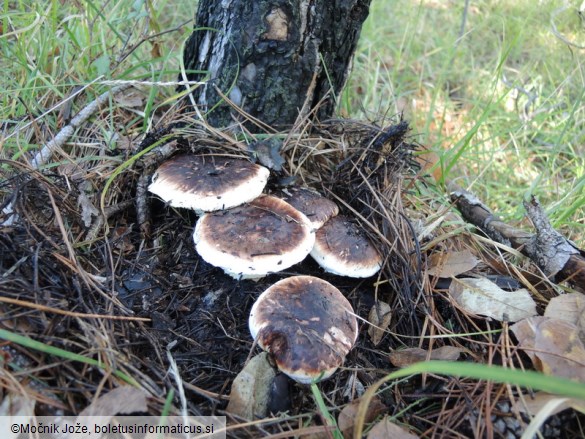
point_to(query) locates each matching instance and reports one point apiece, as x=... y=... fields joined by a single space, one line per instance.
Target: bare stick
x=59 y=140
x=65 y=134
x=555 y=255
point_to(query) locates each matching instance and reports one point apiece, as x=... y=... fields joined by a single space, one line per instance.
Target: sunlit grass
x=502 y=103
x=48 y=48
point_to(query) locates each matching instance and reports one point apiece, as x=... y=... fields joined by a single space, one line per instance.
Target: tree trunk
x=274 y=59
x=556 y=256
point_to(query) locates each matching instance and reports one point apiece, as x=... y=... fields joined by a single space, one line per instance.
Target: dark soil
x=198 y=315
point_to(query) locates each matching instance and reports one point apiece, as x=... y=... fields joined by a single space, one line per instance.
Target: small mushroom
x=315 y=206
x=306 y=324
x=249 y=241
x=208 y=183
x=342 y=248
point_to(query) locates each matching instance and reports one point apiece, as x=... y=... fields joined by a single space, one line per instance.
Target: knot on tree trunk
x=275 y=60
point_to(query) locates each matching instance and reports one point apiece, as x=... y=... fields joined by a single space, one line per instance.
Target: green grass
x=36 y=345
x=533 y=380
x=326 y=416
x=503 y=106
x=49 y=47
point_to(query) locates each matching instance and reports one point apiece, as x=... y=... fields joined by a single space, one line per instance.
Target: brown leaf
x=17 y=405
x=569 y=307
x=406 y=357
x=125 y=143
x=347 y=417
x=155 y=50
x=483 y=297
x=451 y=264
x=121 y=239
x=553 y=346
x=533 y=404
x=380 y=316
x=251 y=388
x=131 y=98
x=386 y=429
x=122 y=400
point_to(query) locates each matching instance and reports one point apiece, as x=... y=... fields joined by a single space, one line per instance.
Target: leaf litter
x=160 y=277
x=555 y=342
x=451 y=264
x=481 y=296
x=409 y=356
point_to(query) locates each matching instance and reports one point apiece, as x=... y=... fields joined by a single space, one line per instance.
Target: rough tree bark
x=556 y=256
x=273 y=58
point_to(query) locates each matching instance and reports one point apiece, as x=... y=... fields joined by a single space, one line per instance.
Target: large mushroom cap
x=315 y=206
x=306 y=324
x=249 y=241
x=342 y=248
x=208 y=183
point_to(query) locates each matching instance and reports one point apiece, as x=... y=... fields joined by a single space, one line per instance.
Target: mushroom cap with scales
x=208 y=183
x=306 y=324
x=342 y=248
x=252 y=240
x=314 y=205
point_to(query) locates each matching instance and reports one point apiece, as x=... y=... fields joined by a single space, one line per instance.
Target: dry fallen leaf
x=569 y=307
x=380 y=316
x=131 y=98
x=125 y=143
x=406 y=357
x=14 y=405
x=123 y=400
x=553 y=346
x=155 y=50
x=483 y=297
x=542 y=406
x=121 y=239
x=386 y=429
x=451 y=263
x=251 y=388
x=347 y=417
x=534 y=403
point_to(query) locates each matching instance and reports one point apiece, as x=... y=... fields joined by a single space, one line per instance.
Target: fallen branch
x=59 y=140
x=556 y=256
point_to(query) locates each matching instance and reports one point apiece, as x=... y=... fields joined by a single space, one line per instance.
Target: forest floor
x=94 y=299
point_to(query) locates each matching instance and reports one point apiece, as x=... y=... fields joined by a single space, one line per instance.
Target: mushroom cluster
x=250 y=235
x=249 y=241
x=305 y=323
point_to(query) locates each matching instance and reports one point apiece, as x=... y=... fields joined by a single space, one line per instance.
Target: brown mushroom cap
x=306 y=324
x=315 y=206
x=342 y=248
x=249 y=241
x=208 y=183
